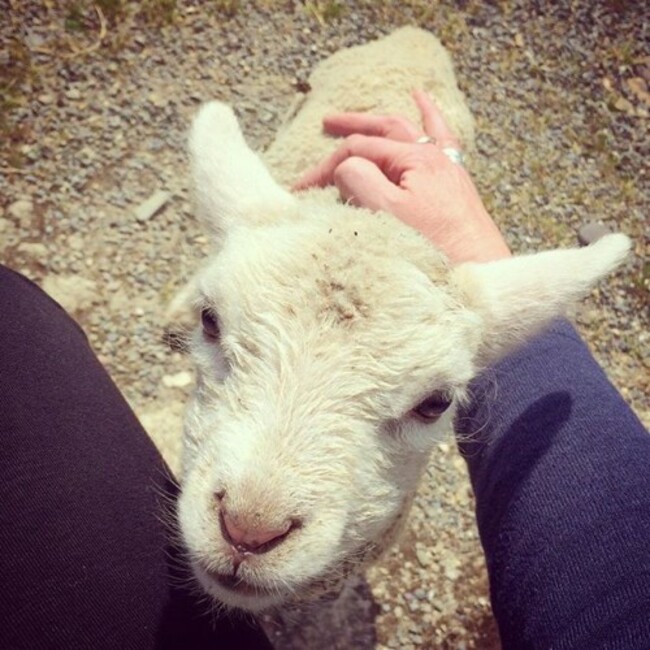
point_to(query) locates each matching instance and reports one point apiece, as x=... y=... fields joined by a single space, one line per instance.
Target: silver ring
x=425 y=139
x=454 y=155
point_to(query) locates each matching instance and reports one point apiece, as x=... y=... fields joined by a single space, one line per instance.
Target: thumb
x=363 y=184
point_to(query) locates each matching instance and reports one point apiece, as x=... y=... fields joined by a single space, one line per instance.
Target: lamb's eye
x=210 y=324
x=430 y=409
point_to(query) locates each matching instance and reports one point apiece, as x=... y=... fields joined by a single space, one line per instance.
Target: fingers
x=389 y=156
x=382 y=140
x=434 y=123
x=363 y=184
x=394 y=127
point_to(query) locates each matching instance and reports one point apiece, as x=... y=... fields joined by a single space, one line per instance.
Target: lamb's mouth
x=237 y=584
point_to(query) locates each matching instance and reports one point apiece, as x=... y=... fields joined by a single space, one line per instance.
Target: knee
x=25 y=308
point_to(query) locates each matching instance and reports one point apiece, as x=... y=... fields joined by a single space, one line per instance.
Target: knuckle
x=420 y=155
x=354 y=141
x=350 y=166
x=450 y=141
x=397 y=203
x=399 y=123
x=397 y=120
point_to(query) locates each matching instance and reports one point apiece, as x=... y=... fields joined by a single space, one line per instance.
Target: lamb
x=333 y=346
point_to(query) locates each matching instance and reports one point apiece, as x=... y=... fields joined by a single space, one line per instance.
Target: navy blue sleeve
x=560 y=467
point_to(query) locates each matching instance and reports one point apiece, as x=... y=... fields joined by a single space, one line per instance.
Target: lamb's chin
x=239 y=593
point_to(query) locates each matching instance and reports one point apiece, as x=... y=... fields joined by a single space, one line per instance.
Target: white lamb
x=333 y=345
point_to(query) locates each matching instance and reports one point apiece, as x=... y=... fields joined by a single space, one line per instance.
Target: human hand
x=381 y=166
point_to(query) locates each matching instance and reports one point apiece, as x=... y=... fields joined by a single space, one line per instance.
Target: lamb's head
x=332 y=348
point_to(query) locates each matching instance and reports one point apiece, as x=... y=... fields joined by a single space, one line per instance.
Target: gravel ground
x=95 y=107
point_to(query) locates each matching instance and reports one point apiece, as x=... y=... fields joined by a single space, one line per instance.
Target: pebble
x=34 y=250
x=450 y=565
x=592 y=232
x=423 y=557
x=179 y=380
x=157 y=100
x=156 y=144
x=151 y=205
x=21 y=211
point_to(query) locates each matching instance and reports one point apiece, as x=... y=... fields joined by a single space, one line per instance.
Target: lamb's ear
x=231 y=182
x=517 y=296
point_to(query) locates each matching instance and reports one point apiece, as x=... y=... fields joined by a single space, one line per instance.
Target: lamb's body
x=302 y=447
x=377 y=77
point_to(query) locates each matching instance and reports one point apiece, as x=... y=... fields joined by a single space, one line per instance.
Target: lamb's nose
x=258 y=538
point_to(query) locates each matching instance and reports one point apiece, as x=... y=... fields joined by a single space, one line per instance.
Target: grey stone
x=591 y=232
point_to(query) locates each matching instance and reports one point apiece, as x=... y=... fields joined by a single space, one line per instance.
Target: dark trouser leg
x=84 y=560
x=561 y=473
